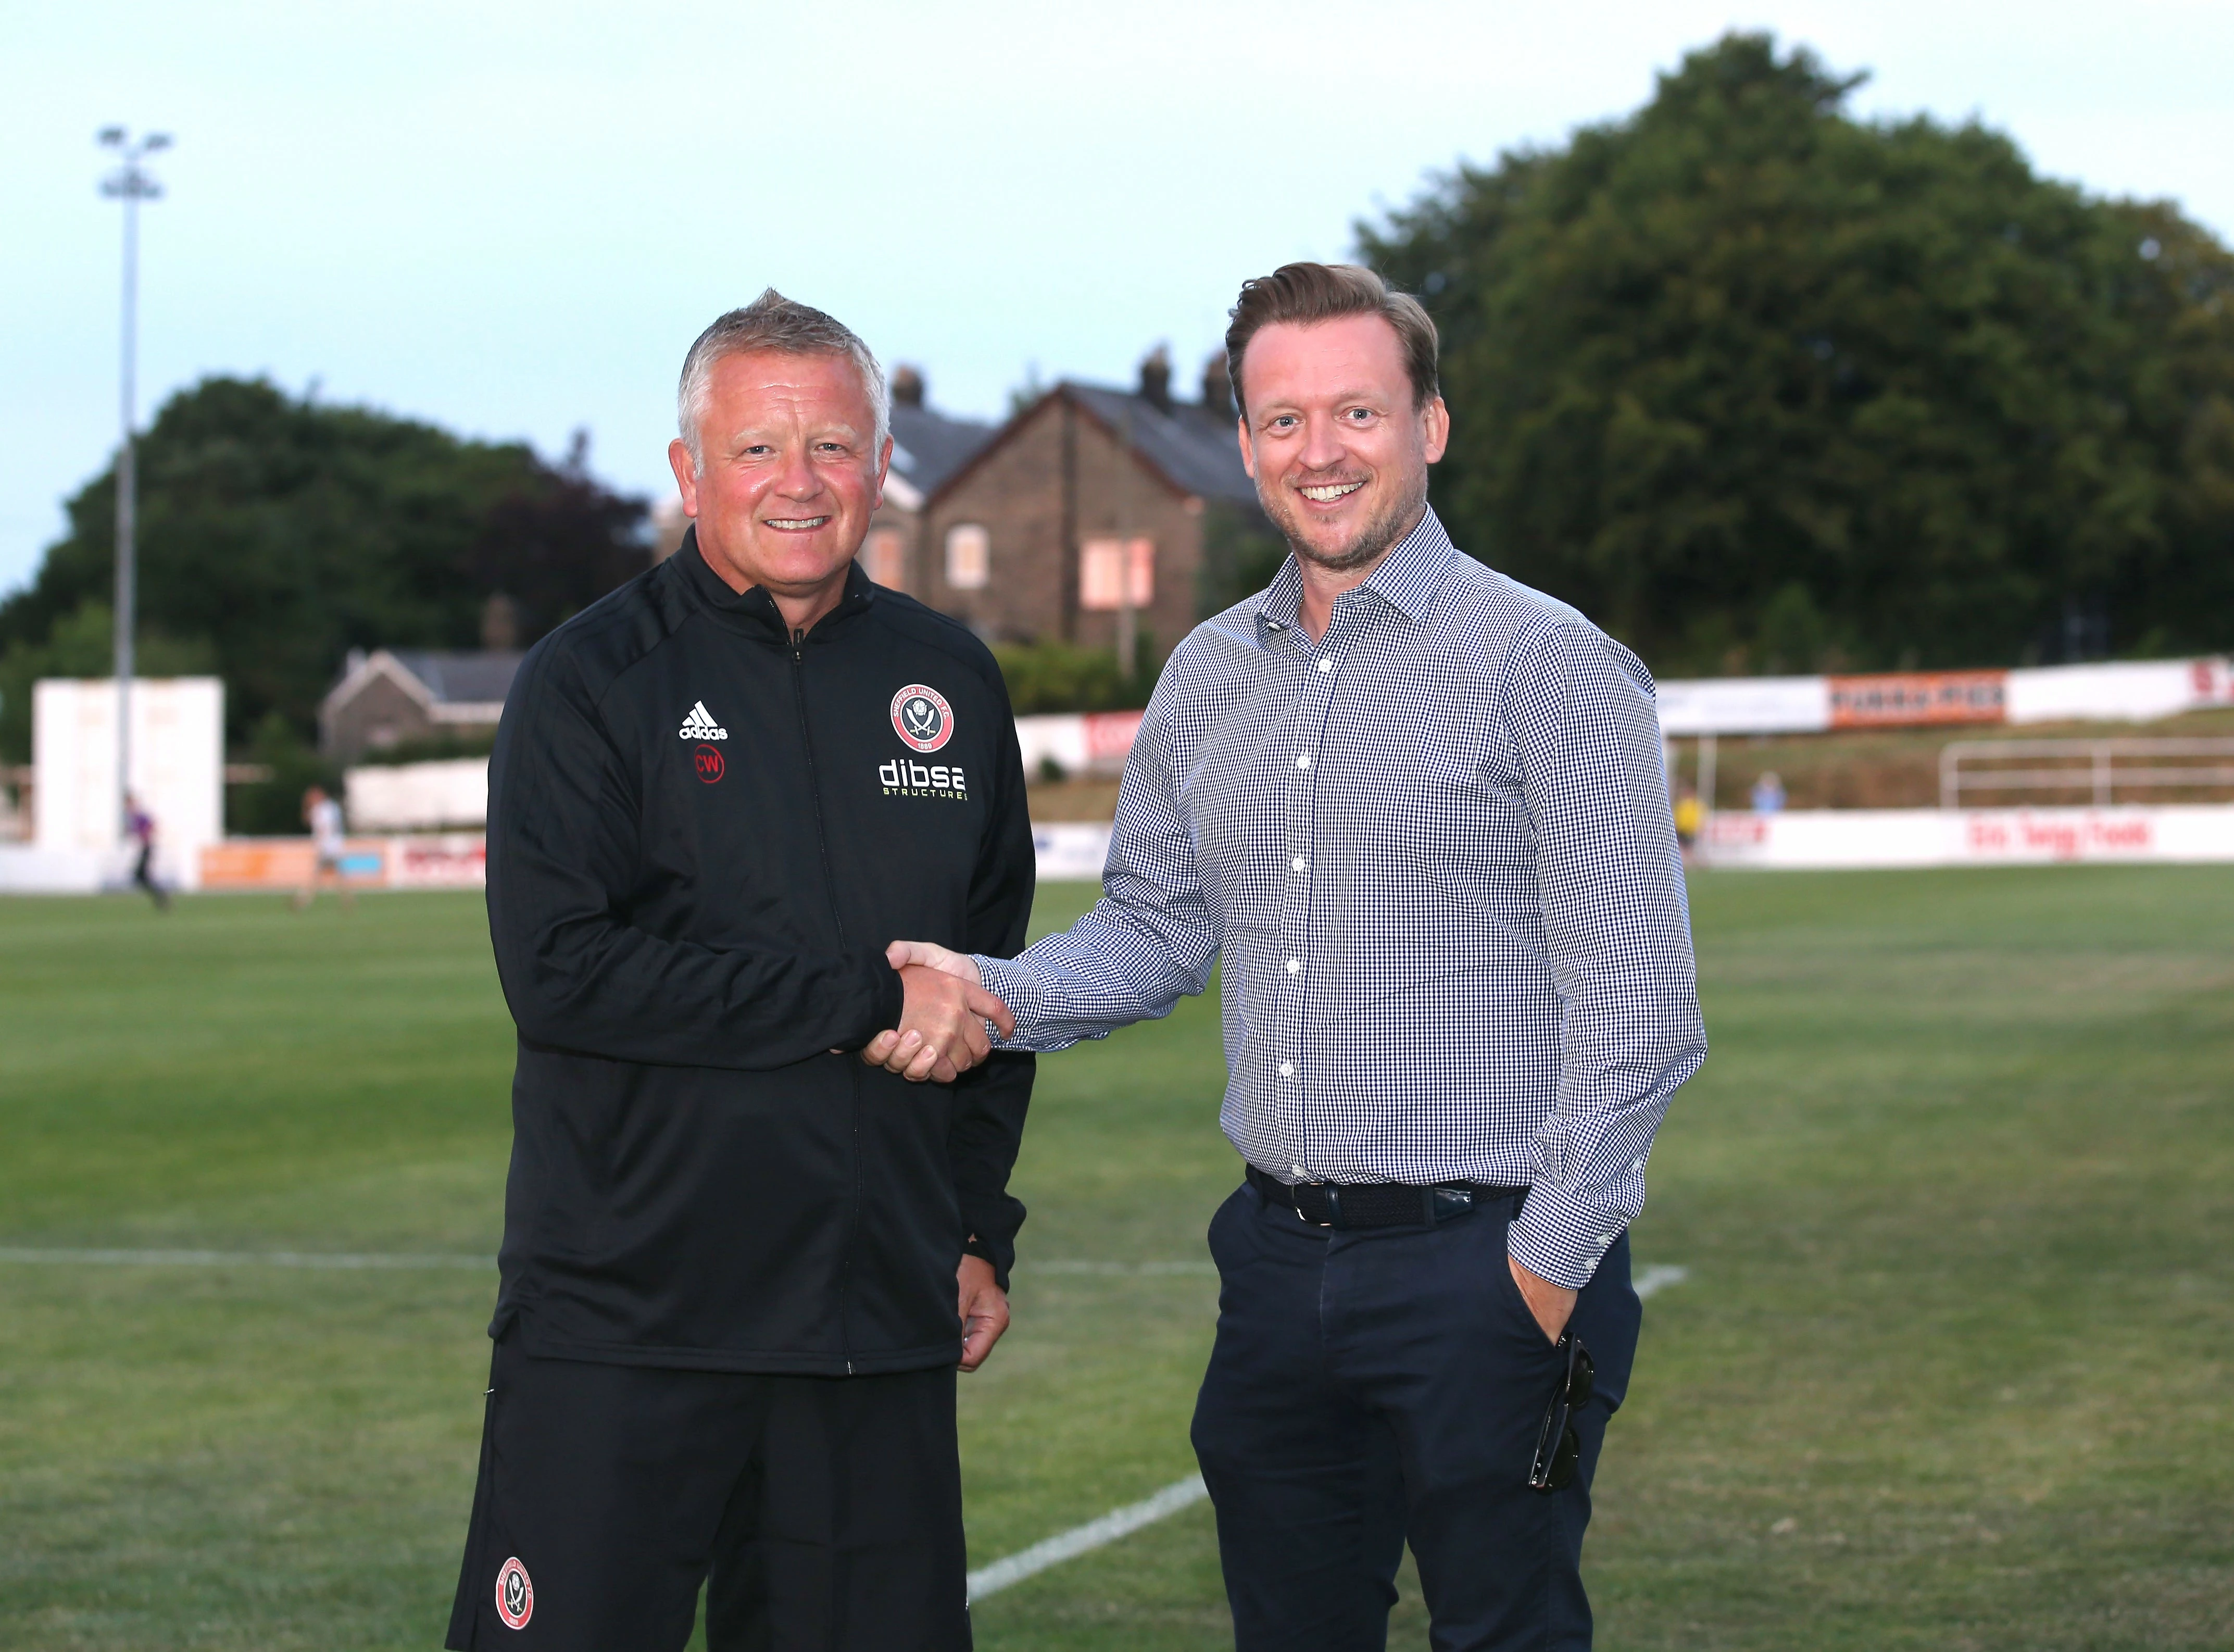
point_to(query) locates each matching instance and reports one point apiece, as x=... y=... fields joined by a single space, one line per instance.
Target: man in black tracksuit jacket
x=727 y=1330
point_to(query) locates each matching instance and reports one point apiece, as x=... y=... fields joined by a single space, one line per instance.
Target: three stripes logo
x=700 y=725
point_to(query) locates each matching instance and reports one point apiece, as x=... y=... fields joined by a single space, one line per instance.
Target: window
x=886 y=561
x=969 y=557
x=1114 y=574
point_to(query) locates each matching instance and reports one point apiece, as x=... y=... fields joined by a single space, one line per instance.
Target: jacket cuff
x=1001 y=1256
x=886 y=999
x=1560 y=1237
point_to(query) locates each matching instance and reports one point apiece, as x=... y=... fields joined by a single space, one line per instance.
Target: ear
x=1435 y=427
x=883 y=469
x=1248 y=452
x=686 y=475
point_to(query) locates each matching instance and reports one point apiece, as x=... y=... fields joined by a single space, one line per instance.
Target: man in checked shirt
x=1420 y=811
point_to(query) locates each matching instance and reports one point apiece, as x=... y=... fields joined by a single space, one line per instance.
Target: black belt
x=1377 y=1205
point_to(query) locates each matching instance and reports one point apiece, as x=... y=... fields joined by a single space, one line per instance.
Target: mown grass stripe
x=1650 y=1280
x=240 y=1258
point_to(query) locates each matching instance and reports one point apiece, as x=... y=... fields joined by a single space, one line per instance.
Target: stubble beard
x=1379 y=535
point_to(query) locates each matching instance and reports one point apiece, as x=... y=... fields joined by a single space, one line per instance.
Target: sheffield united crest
x=515 y=1595
x=922 y=717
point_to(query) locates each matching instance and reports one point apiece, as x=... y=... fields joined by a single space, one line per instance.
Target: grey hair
x=772 y=322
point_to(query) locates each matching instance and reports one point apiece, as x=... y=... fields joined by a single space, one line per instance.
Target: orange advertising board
x=1906 y=699
x=285 y=863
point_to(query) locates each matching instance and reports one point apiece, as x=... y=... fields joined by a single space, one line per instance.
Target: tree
x=1761 y=386
x=276 y=534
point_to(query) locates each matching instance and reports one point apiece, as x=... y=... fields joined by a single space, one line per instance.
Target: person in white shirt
x=323 y=815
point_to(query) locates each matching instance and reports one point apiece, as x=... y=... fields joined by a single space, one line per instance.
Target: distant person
x=1690 y=815
x=1767 y=792
x=740 y=1268
x=140 y=827
x=324 y=816
x=1420 y=813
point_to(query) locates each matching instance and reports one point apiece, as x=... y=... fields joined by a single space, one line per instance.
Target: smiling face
x=1339 y=454
x=791 y=473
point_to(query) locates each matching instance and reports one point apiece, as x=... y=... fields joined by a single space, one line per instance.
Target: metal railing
x=2100 y=768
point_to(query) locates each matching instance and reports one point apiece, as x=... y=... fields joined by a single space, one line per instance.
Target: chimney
x=1156 y=378
x=1217 y=388
x=907 y=385
x=500 y=624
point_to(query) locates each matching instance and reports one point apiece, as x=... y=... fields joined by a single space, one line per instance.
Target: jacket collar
x=754 y=611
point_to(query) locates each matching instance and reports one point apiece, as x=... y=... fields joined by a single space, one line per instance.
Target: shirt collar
x=1407 y=579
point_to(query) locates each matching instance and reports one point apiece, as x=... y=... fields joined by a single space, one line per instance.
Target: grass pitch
x=1950 y=1370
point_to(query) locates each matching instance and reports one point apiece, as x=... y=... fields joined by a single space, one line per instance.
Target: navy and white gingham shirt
x=1435 y=850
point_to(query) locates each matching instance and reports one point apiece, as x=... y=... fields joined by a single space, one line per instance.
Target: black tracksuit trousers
x=822 y=1514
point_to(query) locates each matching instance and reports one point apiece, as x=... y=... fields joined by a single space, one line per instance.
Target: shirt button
x=1287 y=1069
x=1326 y=665
x=1605 y=1239
x=1302 y=865
x=1304 y=760
x=1301 y=1175
x=1294 y=965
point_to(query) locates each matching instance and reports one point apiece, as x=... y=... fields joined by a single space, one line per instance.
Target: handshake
x=943 y=1010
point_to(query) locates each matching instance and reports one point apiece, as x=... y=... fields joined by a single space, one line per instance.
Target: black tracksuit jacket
x=702 y=833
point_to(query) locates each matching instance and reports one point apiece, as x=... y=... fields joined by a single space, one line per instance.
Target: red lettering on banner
x=2026 y=835
x=1987 y=836
x=1737 y=831
x=1109 y=735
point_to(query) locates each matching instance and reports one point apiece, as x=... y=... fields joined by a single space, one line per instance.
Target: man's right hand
x=943 y=1016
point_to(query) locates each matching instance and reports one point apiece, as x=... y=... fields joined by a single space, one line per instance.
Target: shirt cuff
x=1015 y=988
x=1560 y=1237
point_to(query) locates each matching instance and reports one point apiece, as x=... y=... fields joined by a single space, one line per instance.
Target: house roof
x=476 y=678
x=1193 y=450
x=455 y=687
x=928 y=447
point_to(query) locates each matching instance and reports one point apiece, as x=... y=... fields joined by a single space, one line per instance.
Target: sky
x=512 y=220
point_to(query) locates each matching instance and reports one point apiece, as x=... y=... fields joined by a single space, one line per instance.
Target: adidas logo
x=700 y=725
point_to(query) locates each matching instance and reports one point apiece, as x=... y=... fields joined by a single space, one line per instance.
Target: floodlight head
x=154 y=142
x=111 y=136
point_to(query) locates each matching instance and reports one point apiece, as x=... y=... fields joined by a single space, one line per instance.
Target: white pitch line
x=1069 y=1545
x=240 y=1258
x=1657 y=1279
x=1120 y=1268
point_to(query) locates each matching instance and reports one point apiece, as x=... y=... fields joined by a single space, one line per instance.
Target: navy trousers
x=1377 y=1387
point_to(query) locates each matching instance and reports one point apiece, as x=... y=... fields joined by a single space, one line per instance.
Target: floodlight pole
x=131 y=184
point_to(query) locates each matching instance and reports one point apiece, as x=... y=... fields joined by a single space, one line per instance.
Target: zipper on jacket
x=837 y=923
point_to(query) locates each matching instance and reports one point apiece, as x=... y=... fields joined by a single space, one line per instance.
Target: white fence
x=2101 y=768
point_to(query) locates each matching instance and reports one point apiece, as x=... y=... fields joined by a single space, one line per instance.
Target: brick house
x=928 y=448
x=1086 y=497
